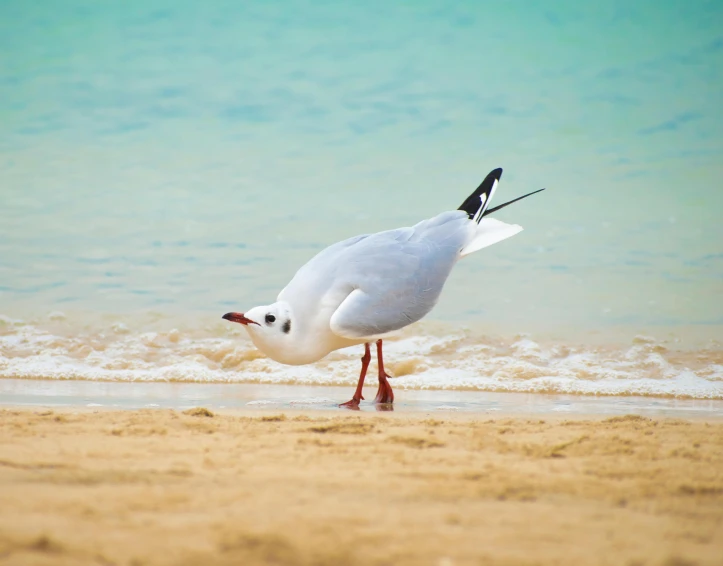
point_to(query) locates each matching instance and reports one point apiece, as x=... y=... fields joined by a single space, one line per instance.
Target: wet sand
x=147 y=487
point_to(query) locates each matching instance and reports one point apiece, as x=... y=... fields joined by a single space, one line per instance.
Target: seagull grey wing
x=392 y=279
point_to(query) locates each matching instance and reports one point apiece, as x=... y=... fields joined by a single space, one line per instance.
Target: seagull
x=360 y=290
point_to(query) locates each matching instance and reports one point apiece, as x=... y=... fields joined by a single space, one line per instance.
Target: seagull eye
x=270 y=319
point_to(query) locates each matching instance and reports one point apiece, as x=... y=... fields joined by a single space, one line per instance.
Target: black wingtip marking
x=479 y=200
x=496 y=208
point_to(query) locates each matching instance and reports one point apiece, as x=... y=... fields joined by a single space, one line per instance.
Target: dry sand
x=161 y=487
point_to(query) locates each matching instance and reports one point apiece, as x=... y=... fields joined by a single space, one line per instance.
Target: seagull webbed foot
x=353 y=404
x=384 y=393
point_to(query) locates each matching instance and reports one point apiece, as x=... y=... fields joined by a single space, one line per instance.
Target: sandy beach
x=148 y=487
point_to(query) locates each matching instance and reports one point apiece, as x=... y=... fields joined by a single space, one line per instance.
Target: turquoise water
x=185 y=158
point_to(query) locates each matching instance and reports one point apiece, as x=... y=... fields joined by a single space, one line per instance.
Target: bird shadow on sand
x=377 y=407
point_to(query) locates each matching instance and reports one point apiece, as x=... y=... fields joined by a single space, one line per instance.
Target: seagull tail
x=490 y=231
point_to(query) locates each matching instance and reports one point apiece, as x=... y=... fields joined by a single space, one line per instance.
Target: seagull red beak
x=239 y=317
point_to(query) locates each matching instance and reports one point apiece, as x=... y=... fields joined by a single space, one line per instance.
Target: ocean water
x=162 y=163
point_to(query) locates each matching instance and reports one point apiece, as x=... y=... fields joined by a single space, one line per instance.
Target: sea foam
x=441 y=358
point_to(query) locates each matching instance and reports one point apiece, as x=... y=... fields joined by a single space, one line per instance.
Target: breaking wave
x=424 y=357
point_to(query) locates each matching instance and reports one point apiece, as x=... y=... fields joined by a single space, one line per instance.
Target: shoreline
x=301 y=487
x=427 y=356
x=244 y=398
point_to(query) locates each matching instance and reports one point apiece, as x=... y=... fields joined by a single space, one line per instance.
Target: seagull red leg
x=384 y=393
x=366 y=358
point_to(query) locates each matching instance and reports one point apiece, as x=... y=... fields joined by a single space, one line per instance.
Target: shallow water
x=253 y=397
x=184 y=159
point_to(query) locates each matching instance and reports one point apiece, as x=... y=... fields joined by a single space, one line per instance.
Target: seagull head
x=270 y=328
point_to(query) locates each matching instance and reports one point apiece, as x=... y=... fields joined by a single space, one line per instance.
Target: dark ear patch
x=287 y=326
